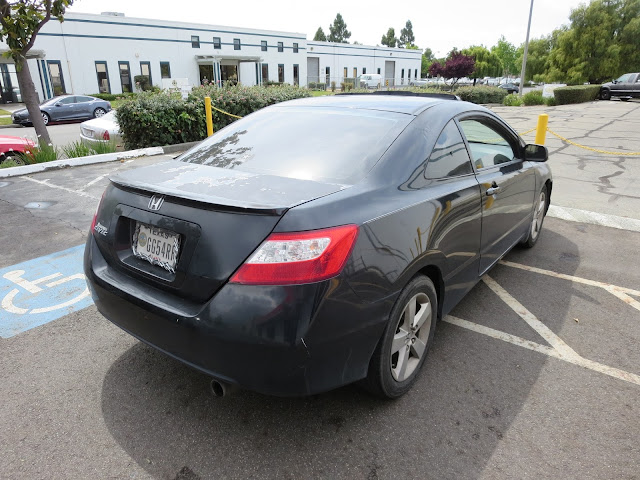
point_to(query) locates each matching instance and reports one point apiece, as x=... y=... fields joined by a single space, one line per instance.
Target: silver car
x=65 y=107
x=100 y=130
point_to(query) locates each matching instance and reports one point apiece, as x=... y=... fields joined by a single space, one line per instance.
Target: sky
x=439 y=25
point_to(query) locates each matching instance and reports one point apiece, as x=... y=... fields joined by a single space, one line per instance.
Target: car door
x=507 y=185
x=84 y=107
x=63 y=109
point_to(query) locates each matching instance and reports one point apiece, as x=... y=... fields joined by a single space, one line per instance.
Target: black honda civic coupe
x=316 y=242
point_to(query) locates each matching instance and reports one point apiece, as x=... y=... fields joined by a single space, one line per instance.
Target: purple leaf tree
x=457 y=66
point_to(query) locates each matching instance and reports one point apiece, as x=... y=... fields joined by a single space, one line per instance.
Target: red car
x=14 y=147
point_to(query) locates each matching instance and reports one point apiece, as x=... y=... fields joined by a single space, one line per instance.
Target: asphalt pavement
x=535 y=374
x=61 y=134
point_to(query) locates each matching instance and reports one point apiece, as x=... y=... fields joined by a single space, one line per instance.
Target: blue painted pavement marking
x=41 y=290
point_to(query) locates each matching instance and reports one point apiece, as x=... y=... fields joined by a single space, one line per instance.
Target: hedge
x=156 y=119
x=533 y=97
x=113 y=96
x=576 y=94
x=481 y=94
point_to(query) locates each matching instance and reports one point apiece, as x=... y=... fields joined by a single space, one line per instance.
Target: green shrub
x=333 y=86
x=533 y=98
x=512 y=100
x=481 y=94
x=142 y=82
x=109 y=97
x=10 y=162
x=77 y=149
x=550 y=101
x=576 y=94
x=317 y=86
x=47 y=153
x=155 y=119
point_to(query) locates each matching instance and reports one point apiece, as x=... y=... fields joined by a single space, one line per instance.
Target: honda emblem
x=156 y=202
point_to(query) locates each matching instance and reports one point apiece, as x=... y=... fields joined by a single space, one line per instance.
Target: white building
x=88 y=54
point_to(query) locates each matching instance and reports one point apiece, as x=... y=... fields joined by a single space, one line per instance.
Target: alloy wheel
x=538 y=215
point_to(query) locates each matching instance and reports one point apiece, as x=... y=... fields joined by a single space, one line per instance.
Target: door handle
x=493 y=190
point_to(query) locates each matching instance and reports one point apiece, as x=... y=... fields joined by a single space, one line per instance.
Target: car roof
x=399 y=102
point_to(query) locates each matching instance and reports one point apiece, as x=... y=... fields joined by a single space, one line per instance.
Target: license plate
x=156 y=245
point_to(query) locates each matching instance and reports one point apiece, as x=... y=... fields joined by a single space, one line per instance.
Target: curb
x=93 y=159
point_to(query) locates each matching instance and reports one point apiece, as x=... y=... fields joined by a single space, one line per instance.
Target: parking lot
x=535 y=374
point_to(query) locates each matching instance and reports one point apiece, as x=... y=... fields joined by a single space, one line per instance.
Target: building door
x=265 y=73
x=229 y=73
x=206 y=74
x=389 y=72
x=57 y=80
x=313 y=69
x=102 y=74
x=125 y=77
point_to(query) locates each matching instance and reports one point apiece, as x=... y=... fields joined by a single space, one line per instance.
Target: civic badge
x=156 y=202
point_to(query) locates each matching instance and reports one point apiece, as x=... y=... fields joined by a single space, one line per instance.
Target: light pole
x=526 y=51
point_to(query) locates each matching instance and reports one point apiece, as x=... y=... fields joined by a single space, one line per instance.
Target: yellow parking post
x=541 y=130
x=207 y=109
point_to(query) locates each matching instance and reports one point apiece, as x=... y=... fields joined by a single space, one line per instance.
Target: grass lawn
x=115 y=104
x=4 y=112
x=5 y=121
x=320 y=93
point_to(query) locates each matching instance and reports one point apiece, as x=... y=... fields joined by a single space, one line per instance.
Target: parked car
x=13 y=148
x=65 y=107
x=509 y=87
x=101 y=129
x=371 y=80
x=419 y=82
x=316 y=242
x=627 y=86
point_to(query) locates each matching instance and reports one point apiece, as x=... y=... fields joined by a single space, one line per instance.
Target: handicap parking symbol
x=41 y=290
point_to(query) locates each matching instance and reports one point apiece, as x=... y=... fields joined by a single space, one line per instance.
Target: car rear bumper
x=279 y=340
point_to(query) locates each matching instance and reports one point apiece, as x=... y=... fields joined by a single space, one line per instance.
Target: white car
x=419 y=82
x=102 y=129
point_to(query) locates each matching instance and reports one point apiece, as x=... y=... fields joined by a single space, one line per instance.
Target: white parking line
x=594 y=218
x=558 y=349
x=69 y=190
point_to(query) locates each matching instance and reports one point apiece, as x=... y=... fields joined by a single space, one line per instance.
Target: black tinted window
x=322 y=144
x=449 y=157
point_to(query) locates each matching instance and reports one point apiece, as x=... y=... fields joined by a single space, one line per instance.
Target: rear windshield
x=320 y=144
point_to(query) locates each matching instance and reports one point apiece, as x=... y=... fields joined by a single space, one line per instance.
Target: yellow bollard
x=207 y=109
x=541 y=130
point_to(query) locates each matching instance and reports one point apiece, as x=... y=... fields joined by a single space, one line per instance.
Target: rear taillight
x=298 y=257
x=106 y=135
x=95 y=216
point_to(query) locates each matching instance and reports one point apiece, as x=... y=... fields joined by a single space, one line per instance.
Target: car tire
x=539 y=212
x=98 y=112
x=409 y=332
x=46 y=118
x=15 y=156
x=605 y=94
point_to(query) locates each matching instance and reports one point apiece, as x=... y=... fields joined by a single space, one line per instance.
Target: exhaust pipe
x=222 y=389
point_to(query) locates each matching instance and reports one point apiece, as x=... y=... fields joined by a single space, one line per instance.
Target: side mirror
x=536 y=153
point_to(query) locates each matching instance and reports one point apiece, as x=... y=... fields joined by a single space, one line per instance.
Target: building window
x=165 y=70
x=295 y=48
x=103 y=77
x=296 y=75
x=265 y=72
x=409 y=70
x=125 y=76
x=364 y=70
x=346 y=72
x=145 y=69
x=402 y=76
x=415 y=73
x=57 y=81
x=378 y=71
x=236 y=44
x=355 y=72
x=195 y=41
x=280 y=46
x=263 y=45
x=327 y=72
x=216 y=43
x=280 y=73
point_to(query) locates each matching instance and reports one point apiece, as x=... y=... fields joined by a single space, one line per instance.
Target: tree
x=390 y=39
x=537 y=58
x=507 y=54
x=427 y=60
x=320 y=36
x=406 y=35
x=20 y=22
x=487 y=64
x=338 y=32
x=457 y=66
